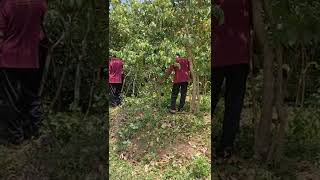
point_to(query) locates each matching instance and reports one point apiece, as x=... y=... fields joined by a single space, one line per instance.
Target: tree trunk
x=276 y=149
x=47 y=63
x=83 y=54
x=95 y=80
x=195 y=98
x=58 y=92
x=304 y=73
x=301 y=79
x=205 y=86
x=77 y=86
x=263 y=131
x=255 y=105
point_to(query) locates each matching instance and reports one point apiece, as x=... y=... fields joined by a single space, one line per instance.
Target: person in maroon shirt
x=231 y=47
x=20 y=30
x=115 y=80
x=180 y=82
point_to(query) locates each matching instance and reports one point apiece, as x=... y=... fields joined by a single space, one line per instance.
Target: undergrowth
x=151 y=143
x=70 y=148
x=301 y=156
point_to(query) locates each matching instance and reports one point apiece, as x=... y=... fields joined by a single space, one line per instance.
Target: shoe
x=172 y=111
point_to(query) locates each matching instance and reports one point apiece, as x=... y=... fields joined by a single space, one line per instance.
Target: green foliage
x=303 y=134
x=297 y=21
x=314 y=98
x=80 y=26
x=200 y=167
x=147 y=35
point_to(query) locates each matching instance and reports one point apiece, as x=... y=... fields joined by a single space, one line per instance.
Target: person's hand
x=218 y=14
x=177 y=65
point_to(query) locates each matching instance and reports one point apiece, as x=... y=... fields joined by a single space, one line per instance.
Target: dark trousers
x=19 y=89
x=182 y=88
x=115 y=93
x=235 y=77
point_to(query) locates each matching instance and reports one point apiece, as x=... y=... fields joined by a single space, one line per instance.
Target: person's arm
x=167 y=73
x=42 y=30
x=254 y=67
x=3 y=23
x=1 y=37
x=218 y=14
x=109 y=67
x=122 y=75
x=43 y=34
x=189 y=70
x=43 y=46
x=250 y=14
x=251 y=54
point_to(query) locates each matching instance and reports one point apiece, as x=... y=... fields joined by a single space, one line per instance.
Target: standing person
x=180 y=82
x=115 y=80
x=20 y=31
x=231 y=46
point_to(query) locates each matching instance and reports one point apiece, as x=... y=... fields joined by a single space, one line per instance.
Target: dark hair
x=177 y=54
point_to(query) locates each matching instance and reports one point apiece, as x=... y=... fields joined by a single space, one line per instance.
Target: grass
x=72 y=148
x=147 y=142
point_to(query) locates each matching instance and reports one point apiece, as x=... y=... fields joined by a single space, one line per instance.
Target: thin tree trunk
x=77 y=85
x=133 y=85
x=263 y=131
x=304 y=73
x=255 y=106
x=57 y=95
x=276 y=149
x=78 y=70
x=198 y=99
x=95 y=80
x=194 y=104
x=300 y=84
x=47 y=63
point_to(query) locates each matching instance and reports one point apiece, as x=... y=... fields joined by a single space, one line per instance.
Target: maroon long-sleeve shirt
x=20 y=21
x=231 y=40
x=182 y=72
x=115 y=70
